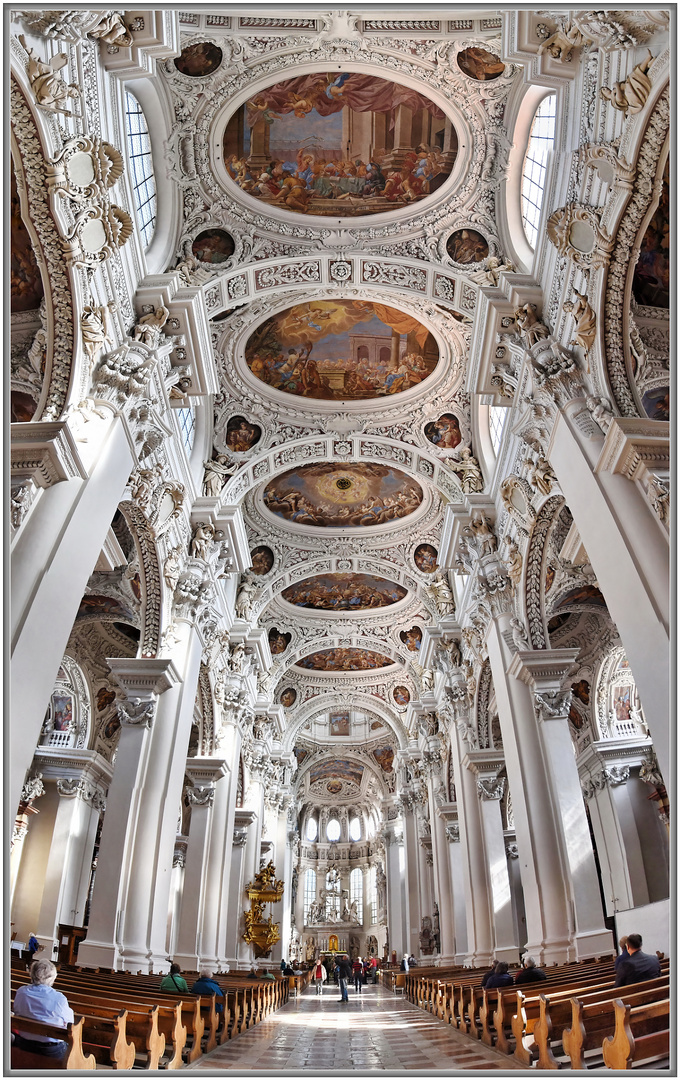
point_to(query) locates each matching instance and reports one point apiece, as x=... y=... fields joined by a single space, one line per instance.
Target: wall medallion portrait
x=343 y=496
x=199 y=60
x=262 y=560
x=213 y=246
x=288 y=697
x=344 y=659
x=278 y=642
x=342 y=350
x=344 y=592
x=334 y=787
x=412 y=638
x=425 y=557
x=339 y=144
x=445 y=432
x=338 y=723
x=467 y=246
x=242 y=435
x=480 y=64
x=401 y=695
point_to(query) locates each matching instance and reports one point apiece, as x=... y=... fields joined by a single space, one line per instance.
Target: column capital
x=543 y=669
x=144 y=677
x=45 y=452
x=204 y=770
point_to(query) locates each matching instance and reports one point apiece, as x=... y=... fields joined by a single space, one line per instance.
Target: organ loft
x=340 y=488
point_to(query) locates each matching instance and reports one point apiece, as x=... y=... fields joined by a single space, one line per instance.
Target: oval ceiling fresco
x=342 y=350
x=344 y=659
x=339 y=144
x=343 y=496
x=344 y=592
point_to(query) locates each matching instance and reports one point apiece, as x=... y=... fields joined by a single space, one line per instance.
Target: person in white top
x=40 y=1001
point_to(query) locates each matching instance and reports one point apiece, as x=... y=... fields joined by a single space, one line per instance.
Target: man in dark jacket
x=623 y=955
x=205 y=984
x=490 y=972
x=344 y=973
x=639 y=966
x=501 y=978
x=529 y=972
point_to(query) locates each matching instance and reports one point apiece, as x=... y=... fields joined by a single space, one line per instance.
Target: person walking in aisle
x=358 y=975
x=344 y=974
x=320 y=976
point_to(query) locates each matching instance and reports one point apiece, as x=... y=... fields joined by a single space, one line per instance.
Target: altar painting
x=339 y=144
x=344 y=659
x=344 y=592
x=342 y=350
x=343 y=496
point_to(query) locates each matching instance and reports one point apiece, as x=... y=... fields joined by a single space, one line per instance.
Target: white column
x=479 y=931
x=411 y=878
x=457 y=883
x=625 y=544
x=204 y=773
x=222 y=847
x=52 y=559
x=237 y=898
x=396 y=917
x=443 y=890
x=490 y=788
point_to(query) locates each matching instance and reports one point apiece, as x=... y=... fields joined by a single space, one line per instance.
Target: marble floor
x=375 y=1030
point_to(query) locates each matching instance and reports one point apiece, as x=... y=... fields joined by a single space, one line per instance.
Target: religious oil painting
x=338 y=723
x=26 y=287
x=288 y=697
x=412 y=638
x=338 y=768
x=344 y=592
x=480 y=64
x=467 y=246
x=213 y=246
x=262 y=560
x=656 y=403
x=334 y=787
x=339 y=144
x=300 y=754
x=401 y=695
x=199 y=59
x=62 y=711
x=425 y=557
x=651 y=278
x=384 y=755
x=342 y=350
x=278 y=642
x=343 y=496
x=585 y=594
x=444 y=432
x=107 y=607
x=344 y=659
x=242 y=435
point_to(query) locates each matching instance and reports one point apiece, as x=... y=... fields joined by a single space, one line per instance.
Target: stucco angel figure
x=562 y=43
x=202 y=540
x=215 y=475
x=601 y=411
x=136 y=713
x=246 y=597
x=237 y=657
x=584 y=317
x=513 y=561
x=172 y=568
x=483 y=534
x=630 y=95
x=491 y=274
x=466 y=467
x=530 y=326
x=95 y=329
x=49 y=88
x=441 y=593
x=112 y=30
x=540 y=474
x=149 y=326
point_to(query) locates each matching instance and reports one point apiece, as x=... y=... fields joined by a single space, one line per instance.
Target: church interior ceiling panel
x=213 y=246
x=242 y=435
x=344 y=659
x=425 y=557
x=344 y=592
x=337 y=768
x=342 y=350
x=401 y=695
x=444 y=432
x=339 y=724
x=288 y=697
x=329 y=495
x=339 y=144
x=198 y=60
x=262 y=560
x=26 y=287
x=652 y=269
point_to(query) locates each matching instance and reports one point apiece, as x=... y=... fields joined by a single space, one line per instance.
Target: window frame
x=534 y=180
x=141 y=168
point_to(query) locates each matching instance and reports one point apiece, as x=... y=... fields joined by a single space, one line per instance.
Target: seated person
x=266 y=974
x=288 y=970
x=623 y=955
x=206 y=985
x=40 y=1002
x=252 y=974
x=174 y=981
x=490 y=972
x=502 y=977
x=529 y=972
x=637 y=966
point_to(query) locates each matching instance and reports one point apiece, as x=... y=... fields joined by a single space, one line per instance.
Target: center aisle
x=374 y=1030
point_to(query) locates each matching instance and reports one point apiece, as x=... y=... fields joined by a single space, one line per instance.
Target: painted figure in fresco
x=344 y=659
x=480 y=64
x=241 y=435
x=467 y=246
x=288 y=697
x=213 y=246
x=199 y=60
x=263 y=560
x=444 y=432
x=412 y=638
x=425 y=557
x=401 y=695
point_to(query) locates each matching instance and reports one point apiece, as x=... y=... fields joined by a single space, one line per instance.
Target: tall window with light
x=310 y=892
x=141 y=167
x=541 y=142
x=497 y=416
x=356 y=892
x=373 y=893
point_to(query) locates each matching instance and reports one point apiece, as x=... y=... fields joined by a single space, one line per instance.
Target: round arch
x=363 y=702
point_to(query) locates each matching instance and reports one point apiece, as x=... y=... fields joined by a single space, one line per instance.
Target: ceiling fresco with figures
x=343 y=496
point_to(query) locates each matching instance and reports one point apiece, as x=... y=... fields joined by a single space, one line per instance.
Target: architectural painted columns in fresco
x=206 y=775
x=625 y=543
x=53 y=554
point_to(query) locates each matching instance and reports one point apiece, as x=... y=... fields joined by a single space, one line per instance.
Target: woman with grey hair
x=529 y=972
x=40 y=1002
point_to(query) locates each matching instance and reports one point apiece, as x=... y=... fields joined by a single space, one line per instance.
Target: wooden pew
x=641 y=1033
x=592 y=1019
x=75 y=1058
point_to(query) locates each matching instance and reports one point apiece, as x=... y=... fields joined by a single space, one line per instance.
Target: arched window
x=497 y=417
x=333 y=830
x=310 y=892
x=67 y=719
x=141 y=167
x=312 y=829
x=356 y=892
x=373 y=893
x=541 y=142
x=355 y=829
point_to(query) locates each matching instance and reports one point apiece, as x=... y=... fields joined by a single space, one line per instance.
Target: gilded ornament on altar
x=259 y=932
